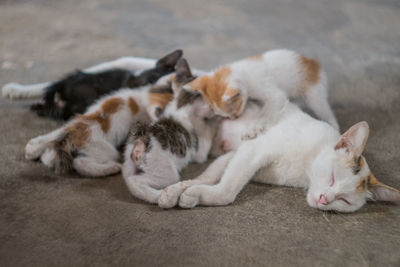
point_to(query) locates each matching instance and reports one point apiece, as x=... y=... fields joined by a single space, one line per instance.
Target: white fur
x=260 y=79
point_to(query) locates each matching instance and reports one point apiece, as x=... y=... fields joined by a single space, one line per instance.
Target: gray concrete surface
x=49 y=220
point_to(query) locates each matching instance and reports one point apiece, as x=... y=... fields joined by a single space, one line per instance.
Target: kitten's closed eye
x=343 y=199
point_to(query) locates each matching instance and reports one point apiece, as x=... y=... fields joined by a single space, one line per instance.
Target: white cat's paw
x=34 y=149
x=12 y=91
x=169 y=197
x=190 y=198
x=253 y=133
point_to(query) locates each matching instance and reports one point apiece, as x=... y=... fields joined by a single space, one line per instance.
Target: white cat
x=296 y=150
x=156 y=153
x=228 y=88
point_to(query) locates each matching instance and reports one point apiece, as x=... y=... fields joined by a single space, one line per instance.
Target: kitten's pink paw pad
x=138 y=152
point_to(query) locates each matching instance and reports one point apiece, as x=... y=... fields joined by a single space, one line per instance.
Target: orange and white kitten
x=228 y=88
x=88 y=143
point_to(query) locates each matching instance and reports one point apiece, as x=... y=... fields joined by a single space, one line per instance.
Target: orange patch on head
x=256 y=57
x=133 y=106
x=311 y=71
x=160 y=99
x=213 y=87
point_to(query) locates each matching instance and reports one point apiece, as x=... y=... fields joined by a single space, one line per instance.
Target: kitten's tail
x=64 y=157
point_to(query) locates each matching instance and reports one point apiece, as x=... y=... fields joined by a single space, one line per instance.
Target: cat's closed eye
x=343 y=199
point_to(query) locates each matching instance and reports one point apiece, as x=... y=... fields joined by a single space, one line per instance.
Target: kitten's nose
x=322 y=200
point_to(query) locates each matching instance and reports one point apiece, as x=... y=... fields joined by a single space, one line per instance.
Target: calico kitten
x=228 y=88
x=156 y=153
x=296 y=150
x=88 y=143
x=74 y=93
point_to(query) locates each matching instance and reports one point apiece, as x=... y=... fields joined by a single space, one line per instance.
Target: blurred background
x=50 y=220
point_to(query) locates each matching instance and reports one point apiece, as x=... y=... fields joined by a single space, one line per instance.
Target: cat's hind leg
x=316 y=98
x=90 y=167
x=170 y=195
x=37 y=146
x=18 y=91
x=249 y=158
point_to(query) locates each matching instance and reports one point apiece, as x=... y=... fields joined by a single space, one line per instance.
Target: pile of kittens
x=165 y=117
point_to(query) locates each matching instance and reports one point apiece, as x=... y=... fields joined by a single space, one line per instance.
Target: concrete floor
x=49 y=220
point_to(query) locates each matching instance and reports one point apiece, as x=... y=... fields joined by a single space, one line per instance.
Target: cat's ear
x=183 y=75
x=354 y=139
x=169 y=61
x=381 y=191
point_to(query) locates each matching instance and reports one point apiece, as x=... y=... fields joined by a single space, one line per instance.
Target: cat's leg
x=140 y=187
x=249 y=158
x=274 y=102
x=317 y=99
x=170 y=195
x=127 y=63
x=36 y=146
x=90 y=167
x=19 y=91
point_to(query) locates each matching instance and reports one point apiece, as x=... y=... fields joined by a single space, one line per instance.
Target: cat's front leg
x=170 y=195
x=249 y=157
x=19 y=91
x=275 y=101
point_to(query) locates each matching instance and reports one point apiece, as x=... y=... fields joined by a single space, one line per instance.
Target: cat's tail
x=64 y=154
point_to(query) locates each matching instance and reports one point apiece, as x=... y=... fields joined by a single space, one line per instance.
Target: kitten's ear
x=183 y=75
x=354 y=139
x=381 y=191
x=169 y=61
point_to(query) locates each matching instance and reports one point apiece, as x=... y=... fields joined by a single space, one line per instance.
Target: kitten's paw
x=12 y=91
x=170 y=195
x=138 y=152
x=189 y=199
x=253 y=133
x=34 y=149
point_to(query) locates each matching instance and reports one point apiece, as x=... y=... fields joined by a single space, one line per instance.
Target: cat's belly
x=282 y=174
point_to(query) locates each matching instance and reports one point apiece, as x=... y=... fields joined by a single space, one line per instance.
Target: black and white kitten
x=74 y=93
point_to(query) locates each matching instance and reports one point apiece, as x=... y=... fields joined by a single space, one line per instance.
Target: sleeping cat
x=74 y=93
x=156 y=153
x=88 y=143
x=228 y=88
x=296 y=150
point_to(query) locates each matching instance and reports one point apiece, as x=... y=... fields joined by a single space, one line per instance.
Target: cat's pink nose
x=322 y=200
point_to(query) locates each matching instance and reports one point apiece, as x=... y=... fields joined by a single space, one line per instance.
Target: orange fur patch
x=213 y=87
x=133 y=106
x=102 y=116
x=160 y=99
x=171 y=78
x=311 y=69
x=78 y=133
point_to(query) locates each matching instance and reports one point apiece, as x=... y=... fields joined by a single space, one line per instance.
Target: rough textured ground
x=49 y=220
